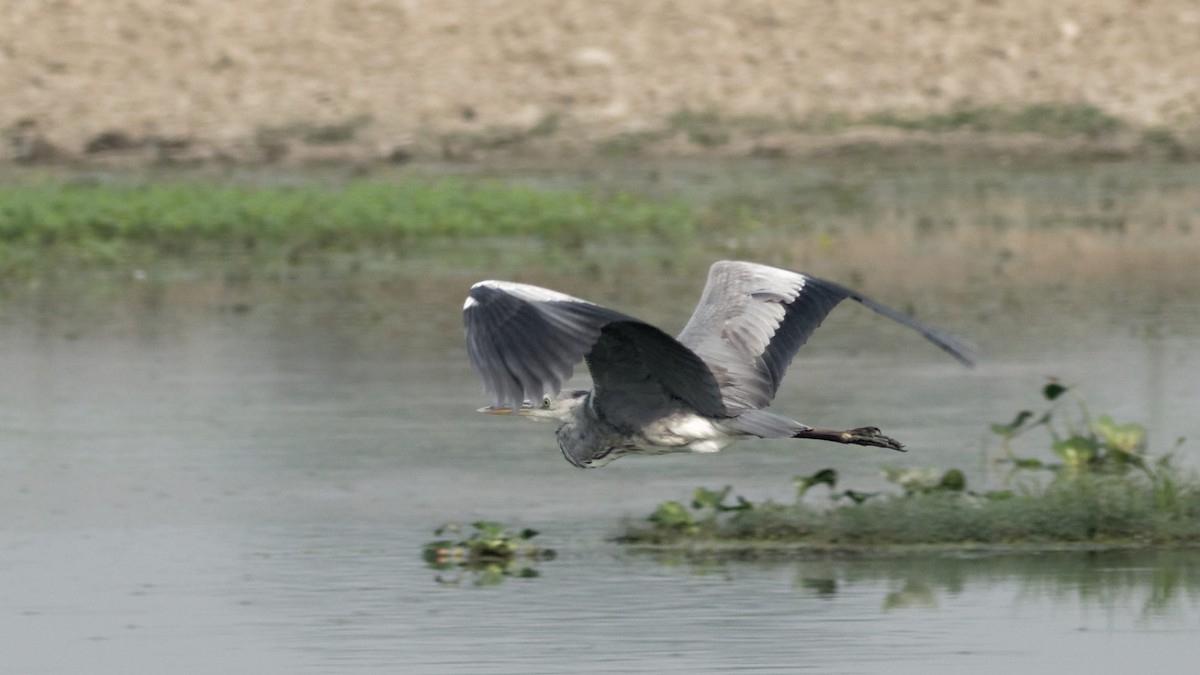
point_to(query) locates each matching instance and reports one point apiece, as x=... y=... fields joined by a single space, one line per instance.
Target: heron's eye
x=546 y=403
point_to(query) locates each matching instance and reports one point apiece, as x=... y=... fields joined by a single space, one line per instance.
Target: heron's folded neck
x=587 y=441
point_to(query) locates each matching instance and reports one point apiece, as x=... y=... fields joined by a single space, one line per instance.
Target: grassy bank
x=844 y=218
x=45 y=224
x=1086 y=511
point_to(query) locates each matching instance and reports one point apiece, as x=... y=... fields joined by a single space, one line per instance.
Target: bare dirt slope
x=234 y=77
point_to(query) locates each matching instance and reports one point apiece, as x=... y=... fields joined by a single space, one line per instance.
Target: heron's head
x=557 y=408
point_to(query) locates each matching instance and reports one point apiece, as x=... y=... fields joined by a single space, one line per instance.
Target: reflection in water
x=825 y=587
x=1148 y=585
x=913 y=594
x=484 y=574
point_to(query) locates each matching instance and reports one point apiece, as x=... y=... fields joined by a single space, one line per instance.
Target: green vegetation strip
x=112 y=224
x=1103 y=489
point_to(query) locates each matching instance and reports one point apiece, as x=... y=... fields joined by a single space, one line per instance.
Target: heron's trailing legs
x=860 y=436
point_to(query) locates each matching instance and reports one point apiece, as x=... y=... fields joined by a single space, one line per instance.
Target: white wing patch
x=527 y=292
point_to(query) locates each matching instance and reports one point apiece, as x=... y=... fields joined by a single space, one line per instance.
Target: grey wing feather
x=752 y=319
x=641 y=374
x=524 y=340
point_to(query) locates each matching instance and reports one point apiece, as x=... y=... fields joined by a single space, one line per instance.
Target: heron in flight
x=652 y=393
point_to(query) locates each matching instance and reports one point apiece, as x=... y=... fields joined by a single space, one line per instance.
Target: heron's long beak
x=525 y=409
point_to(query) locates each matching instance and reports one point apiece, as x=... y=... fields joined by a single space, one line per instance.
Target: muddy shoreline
x=360 y=81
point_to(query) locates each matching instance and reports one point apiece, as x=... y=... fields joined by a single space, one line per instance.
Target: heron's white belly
x=687 y=432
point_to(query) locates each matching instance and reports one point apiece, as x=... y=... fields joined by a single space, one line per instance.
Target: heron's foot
x=871 y=436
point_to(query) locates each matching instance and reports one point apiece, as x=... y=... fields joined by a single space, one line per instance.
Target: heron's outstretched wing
x=524 y=340
x=751 y=320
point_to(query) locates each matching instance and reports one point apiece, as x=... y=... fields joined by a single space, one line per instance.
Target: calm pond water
x=201 y=476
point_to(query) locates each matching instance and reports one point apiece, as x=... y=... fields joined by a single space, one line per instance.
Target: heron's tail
x=765 y=424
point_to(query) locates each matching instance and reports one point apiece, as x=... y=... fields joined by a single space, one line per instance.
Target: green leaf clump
x=489 y=553
x=1104 y=487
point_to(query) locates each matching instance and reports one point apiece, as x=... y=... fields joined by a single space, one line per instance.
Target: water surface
x=208 y=476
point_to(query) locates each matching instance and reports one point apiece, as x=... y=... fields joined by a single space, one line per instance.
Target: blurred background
x=262 y=80
x=235 y=238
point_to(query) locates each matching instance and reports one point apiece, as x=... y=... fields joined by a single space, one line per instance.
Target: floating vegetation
x=487 y=556
x=1106 y=490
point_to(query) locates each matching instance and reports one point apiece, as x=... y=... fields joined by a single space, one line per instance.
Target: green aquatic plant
x=488 y=555
x=1107 y=489
x=1082 y=443
x=707 y=505
x=915 y=481
x=1088 y=445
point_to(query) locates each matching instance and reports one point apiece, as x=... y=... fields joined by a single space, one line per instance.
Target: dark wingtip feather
x=964 y=351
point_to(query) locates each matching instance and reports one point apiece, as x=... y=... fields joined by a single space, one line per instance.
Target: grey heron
x=653 y=393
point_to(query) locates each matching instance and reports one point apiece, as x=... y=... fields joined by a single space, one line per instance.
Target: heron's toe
x=873 y=436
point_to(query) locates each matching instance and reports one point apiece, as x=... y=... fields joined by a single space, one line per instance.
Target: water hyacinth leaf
x=858 y=497
x=1121 y=457
x=490 y=575
x=1124 y=437
x=672 y=515
x=953 y=481
x=1077 y=451
x=488 y=528
x=1053 y=390
x=822 y=477
x=916 y=480
x=709 y=499
x=1009 y=430
x=826 y=477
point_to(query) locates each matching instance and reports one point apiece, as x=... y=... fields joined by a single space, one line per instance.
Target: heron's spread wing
x=524 y=340
x=752 y=319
